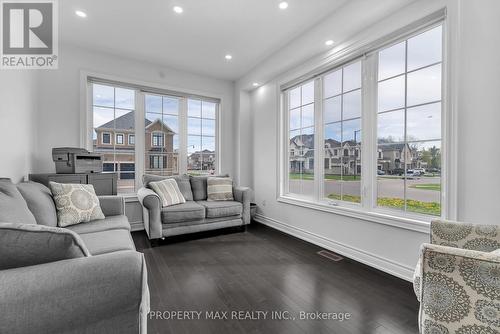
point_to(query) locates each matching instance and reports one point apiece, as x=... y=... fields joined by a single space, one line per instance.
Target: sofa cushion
x=182 y=181
x=199 y=186
x=220 y=209
x=220 y=189
x=26 y=245
x=75 y=203
x=108 y=223
x=13 y=207
x=168 y=191
x=188 y=211
x=40 y=202
x=108 y=241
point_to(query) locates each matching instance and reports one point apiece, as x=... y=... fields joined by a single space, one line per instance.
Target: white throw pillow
x=168 y=191
x=75 y=203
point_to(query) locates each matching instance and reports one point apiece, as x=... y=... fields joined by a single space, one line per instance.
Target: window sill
x=418 y=223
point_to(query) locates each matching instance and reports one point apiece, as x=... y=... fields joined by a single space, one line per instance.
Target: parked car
x=398 y=171
x=380 y=172
x=420 y=170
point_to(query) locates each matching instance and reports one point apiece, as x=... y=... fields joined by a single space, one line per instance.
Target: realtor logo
x=29 y=34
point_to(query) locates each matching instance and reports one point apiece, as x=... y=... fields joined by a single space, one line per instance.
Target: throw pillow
x=13 y=207
x=168 y=191
x=75 y=203
x=220 y=189
x=182 y=182
x=27 y=245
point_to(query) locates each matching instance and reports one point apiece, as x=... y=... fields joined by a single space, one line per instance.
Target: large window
x=179 y=133
x=113 y=116
x=201 y=137
x=395 y=91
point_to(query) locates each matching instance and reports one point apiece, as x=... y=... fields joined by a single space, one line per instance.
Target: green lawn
x=298 y=176
x=427 y=186
x=430 y=208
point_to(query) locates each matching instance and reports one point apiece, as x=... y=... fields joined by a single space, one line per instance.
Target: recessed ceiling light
x=283 y=5
x=178 y=9
x=80 y=13
x=329 y=42
x=255 y=84
x=228 y=57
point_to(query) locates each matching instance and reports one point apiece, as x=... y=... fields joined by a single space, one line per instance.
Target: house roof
x=207 y=152
x=127 y=122
x=308 y=141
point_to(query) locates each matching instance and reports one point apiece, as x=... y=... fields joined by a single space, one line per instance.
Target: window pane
x=333 y=84
x=171 y=123
x=170 y=105
x=424 y=122
x=125 y=98
x=308 y=115
x=391 y=127
x=333 y=133
x=391 y=61
x=301 y=172
x=391 y=94
x=351 y=131
x=308 y=137
x=194 y=126
x=294 y=136
x=425 y=49
x=294 y=98
x=423 y=181
x=151 y=118
x=103 y=118
x=208 y=128
x=208 y=144
x=194 y=163
x=332 y=109
x=208 y=163
x=424 y=85
x=153 y=104
x=352 y=105
x=103 y=95
x=308 y=93
x=194 y=144
x=194 y=108
x=208 y=110
x=295 y=119
x=352 y=77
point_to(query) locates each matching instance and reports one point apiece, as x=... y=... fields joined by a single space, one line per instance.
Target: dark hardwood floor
x=265 y=270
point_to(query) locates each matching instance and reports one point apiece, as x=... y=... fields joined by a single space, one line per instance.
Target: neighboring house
x=115 y=140
x=202 y=160
x=399 y=156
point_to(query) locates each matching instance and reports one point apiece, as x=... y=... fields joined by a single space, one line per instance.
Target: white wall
x=59 y=91
x=477 y=81
x=18 y=97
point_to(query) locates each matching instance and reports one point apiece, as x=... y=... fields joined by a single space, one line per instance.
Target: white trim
x=384 y=264
x=157 y=132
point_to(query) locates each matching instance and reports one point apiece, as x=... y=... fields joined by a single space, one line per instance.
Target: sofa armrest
x=465 y=235
x=112 y=205
x=242 y=195
x=93 y=294
x=151 y=209
x=456 y=283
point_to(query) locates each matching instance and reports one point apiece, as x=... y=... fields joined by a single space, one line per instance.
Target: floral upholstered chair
x=457 y=279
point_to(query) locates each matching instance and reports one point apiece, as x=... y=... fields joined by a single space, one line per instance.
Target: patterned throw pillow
x=219 y=189
x=168 y=191
x=75 y=203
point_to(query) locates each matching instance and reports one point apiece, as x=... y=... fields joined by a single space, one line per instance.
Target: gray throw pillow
x=13 y=207
x=182 y=182
x=199 y=186
x=219 y=189
x=40 y=202
x=27 y=245
x=75 y=203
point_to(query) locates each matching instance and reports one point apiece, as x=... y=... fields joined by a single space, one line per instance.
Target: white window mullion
x=140 y=137
x=369 y=133
x=319 y=150
x=183 y=135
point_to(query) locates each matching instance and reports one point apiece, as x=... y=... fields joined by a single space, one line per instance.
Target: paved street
x=387 y=187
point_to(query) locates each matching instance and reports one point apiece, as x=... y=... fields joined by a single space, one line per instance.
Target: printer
x=71 y=160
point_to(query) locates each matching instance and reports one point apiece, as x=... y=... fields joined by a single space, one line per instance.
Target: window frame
x=142 y=88
x=102 y=138
x=131 y=142
x=368 y=210
x=123 y=138
x=153 y=137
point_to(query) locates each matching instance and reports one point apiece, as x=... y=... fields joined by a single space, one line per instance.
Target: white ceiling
x=195 y=40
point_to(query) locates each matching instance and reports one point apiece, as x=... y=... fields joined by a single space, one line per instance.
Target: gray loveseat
x=46 y=289
x=197 y=214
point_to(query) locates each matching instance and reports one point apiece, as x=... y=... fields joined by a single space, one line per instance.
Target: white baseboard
x=391 y=267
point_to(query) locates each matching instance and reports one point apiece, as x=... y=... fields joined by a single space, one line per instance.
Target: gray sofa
x=98 y=287
x=197 y=214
